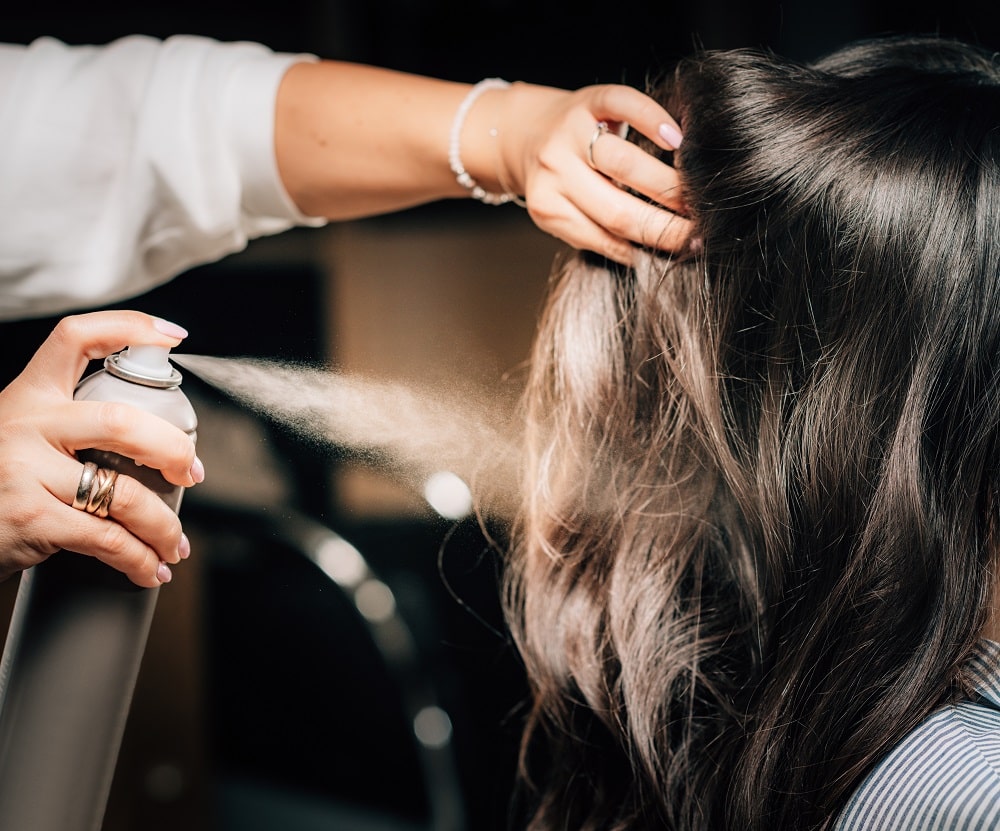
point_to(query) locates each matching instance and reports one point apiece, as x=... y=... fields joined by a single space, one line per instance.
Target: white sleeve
x=123 y=165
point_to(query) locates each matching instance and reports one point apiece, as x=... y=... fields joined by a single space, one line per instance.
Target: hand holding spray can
x=143 y=377
x=77 y=636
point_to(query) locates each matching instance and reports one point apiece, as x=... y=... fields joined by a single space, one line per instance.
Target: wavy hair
x=758 y=534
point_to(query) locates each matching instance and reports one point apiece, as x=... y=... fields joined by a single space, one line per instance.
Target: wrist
x=473 y=149
x=524 y=118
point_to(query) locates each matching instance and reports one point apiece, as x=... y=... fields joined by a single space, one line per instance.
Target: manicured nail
x=184 y=547
x=197 y=470
x=163 y=573
x=171 y=330
x=671 y=135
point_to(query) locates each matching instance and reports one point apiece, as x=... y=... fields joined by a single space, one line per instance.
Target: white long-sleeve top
x=125 y=164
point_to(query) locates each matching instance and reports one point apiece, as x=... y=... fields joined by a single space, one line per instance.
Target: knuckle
x=677 y=231
x=624 y=103
x=548 y=212
x=542 y=211
x=114 y=541
x=121 y=551
x=619 y=251
x=115 y=418
x=162 y=527
x=127 y=495
x=603 y=97
x=618 y=157
x=618 y=219
x=27 y=517
x=550 y=156
x=68 y=330
x=20 y=510
x=168 y=536
x=185 y=449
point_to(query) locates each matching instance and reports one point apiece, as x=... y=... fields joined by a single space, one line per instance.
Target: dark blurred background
x=271 y=696
x=547 y=41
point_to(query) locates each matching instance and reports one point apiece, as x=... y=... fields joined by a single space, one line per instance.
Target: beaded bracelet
x=463 y=177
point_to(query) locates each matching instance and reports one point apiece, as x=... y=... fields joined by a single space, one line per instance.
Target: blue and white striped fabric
x=945 y=775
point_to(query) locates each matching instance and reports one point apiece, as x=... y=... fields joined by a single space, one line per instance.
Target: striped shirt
x=945 y=775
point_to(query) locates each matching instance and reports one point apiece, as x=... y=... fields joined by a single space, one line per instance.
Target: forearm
x=354 y=140
x=124 y=165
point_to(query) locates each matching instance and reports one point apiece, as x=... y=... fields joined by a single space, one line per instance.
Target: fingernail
x=671 y=135
x=197 y=470
x=163 y=573
x=184 y=547
x=171 y=330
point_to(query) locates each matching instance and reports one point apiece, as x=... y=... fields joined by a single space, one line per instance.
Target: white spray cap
x=149 y=361
x=144 y=364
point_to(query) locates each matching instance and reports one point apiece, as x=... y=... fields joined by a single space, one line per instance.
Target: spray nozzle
x=144 y=364
x=146 y=360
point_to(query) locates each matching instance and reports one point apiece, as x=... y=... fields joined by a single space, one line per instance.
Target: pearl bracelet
x=463 y=177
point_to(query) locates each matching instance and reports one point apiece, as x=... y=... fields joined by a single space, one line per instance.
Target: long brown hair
x=757 y=537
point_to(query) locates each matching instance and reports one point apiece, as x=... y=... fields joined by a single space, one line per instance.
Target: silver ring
x=86 y=483
x=599 y=130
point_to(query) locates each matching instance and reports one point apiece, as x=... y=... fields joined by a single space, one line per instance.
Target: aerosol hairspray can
x=76 y=639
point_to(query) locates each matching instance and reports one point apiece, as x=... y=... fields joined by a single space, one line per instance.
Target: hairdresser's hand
x=546 y=142
x=41 y=429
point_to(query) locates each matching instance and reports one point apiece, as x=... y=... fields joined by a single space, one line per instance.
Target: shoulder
x=944 y=776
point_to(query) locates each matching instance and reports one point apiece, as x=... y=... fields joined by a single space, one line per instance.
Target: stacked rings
x=96 y=490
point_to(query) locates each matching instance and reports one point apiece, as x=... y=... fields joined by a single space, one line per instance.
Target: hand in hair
x=526 y=139
x=548 y=155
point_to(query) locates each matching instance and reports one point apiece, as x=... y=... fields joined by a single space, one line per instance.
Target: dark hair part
x=758 y=535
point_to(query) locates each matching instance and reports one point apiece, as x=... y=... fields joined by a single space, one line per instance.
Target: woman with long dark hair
x=753 y=580
x=124 y=164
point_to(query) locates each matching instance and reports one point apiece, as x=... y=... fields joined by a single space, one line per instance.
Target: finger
x=111 y=543
x=78 y=339
x=146 y=516
x=572 y=226
x=135 y=507
x=618 y=102
x=630 y=218
x=138 y=534
x=121 y=428
x=630 y=165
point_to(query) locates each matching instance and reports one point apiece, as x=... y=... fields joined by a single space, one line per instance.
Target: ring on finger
x=95 y=490
x=102 y=493
x=86 y=485
x=599 y=130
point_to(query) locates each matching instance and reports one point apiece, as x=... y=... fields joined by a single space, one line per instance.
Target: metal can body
x=169 y=403
x=73 y=651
